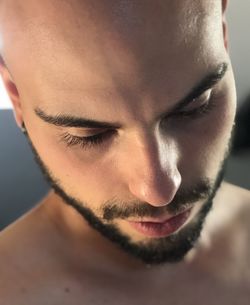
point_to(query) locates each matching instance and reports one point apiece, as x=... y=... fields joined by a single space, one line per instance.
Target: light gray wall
x=238 y=16
x=21 y=183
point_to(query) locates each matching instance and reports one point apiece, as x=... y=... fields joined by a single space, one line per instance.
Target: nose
x=153 y=174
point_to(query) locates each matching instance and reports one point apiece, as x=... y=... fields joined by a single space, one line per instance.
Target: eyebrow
x=206 y=83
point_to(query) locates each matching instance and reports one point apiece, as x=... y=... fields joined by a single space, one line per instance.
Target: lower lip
x=161 y=229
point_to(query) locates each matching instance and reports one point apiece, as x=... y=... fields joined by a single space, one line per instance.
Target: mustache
x=184 y=199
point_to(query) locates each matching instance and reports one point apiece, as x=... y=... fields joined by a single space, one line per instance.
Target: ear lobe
x=12 y=92
x=224 y=6
x=225 y=34
x=224 y=23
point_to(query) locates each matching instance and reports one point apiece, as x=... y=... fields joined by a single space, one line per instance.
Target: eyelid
x=86 y=132
x=202 y=99
x=86 y=142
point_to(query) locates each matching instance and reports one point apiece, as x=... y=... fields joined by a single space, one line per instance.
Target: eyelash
x=97 y=140
x=197 y=112
x=86 y=142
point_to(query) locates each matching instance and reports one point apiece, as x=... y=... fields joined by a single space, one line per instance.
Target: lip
x=158 y=228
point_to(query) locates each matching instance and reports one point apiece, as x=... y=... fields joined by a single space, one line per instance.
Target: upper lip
x=160 y=219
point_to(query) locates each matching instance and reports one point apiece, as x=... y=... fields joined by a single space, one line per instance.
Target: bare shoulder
x=232 y=207
x=15 y=242
x=26 y=261
x=234 y=196
x=21 y=250
x=12 y=256
x=243 y=193
x=225 y=254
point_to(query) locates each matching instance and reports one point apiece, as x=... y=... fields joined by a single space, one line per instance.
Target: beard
x=152 y=251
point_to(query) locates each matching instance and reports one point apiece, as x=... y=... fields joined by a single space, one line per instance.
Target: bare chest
x=123 y=293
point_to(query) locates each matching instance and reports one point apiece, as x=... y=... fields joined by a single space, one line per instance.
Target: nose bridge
x=148 y=159
x=153 y=173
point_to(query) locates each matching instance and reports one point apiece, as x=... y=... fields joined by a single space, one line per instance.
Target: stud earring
x=23 y=128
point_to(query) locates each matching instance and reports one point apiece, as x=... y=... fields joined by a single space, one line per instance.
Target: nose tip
x=158 y=190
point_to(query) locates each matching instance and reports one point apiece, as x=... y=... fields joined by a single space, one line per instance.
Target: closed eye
x=98 y=139
x=205 y=104
x=86 y=142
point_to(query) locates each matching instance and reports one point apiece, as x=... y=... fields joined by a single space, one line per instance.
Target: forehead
x=131 y=21
x=90 y=45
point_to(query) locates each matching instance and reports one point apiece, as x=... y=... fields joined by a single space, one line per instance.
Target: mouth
x=157 y=228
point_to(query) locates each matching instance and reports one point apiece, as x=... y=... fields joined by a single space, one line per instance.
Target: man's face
x=157 y=73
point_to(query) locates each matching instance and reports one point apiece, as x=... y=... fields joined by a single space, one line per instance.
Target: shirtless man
x=129 y=108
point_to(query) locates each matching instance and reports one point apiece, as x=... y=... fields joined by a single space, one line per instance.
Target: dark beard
x=172 y=248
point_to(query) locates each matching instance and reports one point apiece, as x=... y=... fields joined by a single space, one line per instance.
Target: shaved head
x=39 y=35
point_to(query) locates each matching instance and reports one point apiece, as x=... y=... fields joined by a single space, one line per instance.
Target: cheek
x=90 y=179
x=206 y=143
x=87 y=176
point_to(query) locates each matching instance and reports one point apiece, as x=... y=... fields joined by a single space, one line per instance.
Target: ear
x=224 y=23
x=12 y=92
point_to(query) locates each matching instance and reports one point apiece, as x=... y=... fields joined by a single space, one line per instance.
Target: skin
x=123 y=63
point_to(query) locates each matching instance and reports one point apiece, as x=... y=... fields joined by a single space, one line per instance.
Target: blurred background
x=22 y=184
